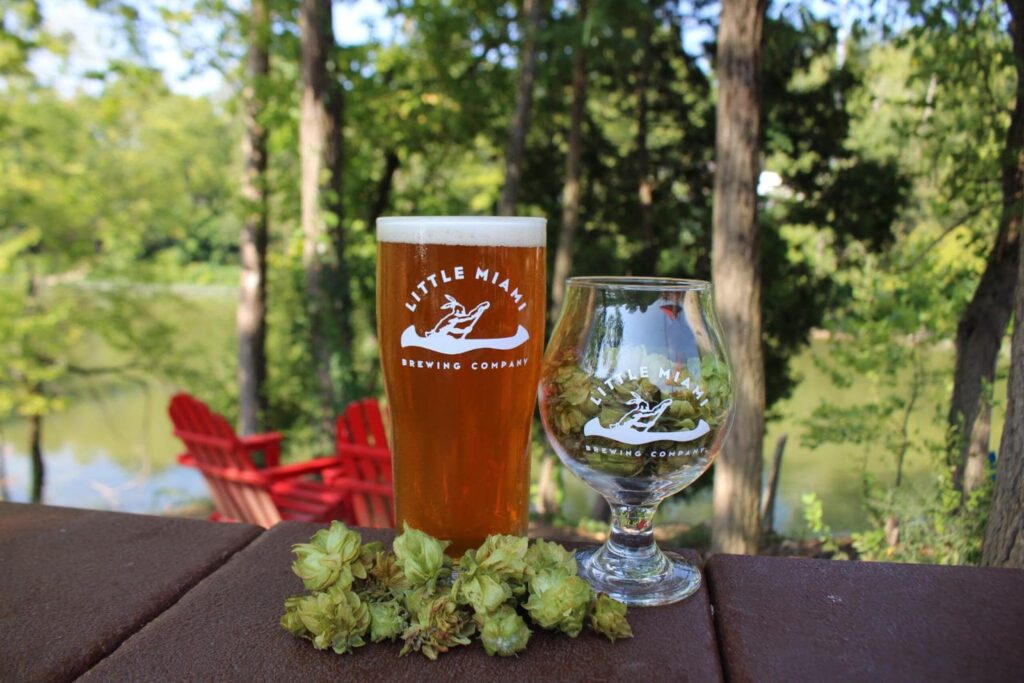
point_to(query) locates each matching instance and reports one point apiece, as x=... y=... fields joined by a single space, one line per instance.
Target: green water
x=112 y=448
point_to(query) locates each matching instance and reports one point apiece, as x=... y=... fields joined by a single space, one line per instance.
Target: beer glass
x=460 y=323
x=636 y=398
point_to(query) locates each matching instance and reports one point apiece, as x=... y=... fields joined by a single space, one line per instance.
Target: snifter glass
x=636 y=398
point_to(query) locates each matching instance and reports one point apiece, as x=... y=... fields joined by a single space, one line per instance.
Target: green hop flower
x=313 y=613
x=503 y=556
x=547 y=556
x=608 y=616
x=558 y=601
x=335 y=618
x=349 y=618
x=417 y=600
x=479 y=589
x=291 y=621
x=437 y=627
x=503 y=633
x=387 y=620
x=420 y=556
x=329 y=558
x=387 y=574
x=368 y=553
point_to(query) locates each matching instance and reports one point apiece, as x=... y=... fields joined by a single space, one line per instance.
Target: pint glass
x=460 y=322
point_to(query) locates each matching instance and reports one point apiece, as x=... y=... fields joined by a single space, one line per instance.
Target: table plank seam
x=166 y=605
x=723 y=660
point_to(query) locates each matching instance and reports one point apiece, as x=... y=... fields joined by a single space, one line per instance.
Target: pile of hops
x=359 y=592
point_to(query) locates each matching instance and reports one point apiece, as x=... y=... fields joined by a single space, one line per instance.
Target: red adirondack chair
x=244 y=493
x=362 y=447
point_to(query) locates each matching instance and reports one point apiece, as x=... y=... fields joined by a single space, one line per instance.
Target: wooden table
x=111 y=597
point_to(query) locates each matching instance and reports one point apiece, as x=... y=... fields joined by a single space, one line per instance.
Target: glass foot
x=659 y=579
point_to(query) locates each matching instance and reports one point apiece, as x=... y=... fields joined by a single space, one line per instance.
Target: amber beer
x=460 y=320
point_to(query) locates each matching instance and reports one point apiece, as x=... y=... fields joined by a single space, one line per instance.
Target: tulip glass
x=636 y=399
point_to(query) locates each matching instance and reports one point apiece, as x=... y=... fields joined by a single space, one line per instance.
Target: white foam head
x=476 y=231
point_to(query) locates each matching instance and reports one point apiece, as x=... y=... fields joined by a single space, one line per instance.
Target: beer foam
x=474 y=231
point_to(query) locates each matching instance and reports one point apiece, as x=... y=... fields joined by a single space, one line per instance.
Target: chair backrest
x=239 y=491
x=362 y=447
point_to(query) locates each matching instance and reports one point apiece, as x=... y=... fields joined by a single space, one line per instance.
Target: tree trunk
x=382 y=198
x=252 y=303
x=35 y=447
x=320 y=151
x=529 y=26
x=737 y=272
x=571 y=188
x=547 y=488
x=648 y=258
x=768 y=501
x=983 y=323
x=369 y=383
x=1004 y=535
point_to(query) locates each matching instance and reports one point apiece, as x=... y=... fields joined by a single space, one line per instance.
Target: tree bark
x=321 y=160
x=768 y=501
x=529 y=26
x=251 y=318
x=645 y=189
x=35 y=448
x=1004 y=535
x=571 y=188
x=983 y=323
x=737 y=272
x=382 y=198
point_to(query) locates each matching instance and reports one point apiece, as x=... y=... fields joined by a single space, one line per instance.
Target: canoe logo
x=634 y=427
x=450 y=334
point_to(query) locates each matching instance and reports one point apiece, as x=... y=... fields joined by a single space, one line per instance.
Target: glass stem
x=632 y=531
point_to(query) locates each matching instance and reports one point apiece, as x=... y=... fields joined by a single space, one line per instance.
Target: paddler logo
x=634 y=427
x=450 y=334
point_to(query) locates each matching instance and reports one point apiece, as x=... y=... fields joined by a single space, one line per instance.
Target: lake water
x=114 y=449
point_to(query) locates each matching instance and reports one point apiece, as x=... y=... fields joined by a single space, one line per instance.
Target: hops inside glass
x=636 y=399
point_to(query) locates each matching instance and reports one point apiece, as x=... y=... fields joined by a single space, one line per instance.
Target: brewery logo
x=450 y=335
x=634 y=427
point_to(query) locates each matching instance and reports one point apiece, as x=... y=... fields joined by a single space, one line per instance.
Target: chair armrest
x=269 y=443
x=300 y=468
x=374 y=452
x=350 y=485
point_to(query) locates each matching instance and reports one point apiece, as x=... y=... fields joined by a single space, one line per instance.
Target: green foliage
x=90 y=183
x=946 y=86
x=814 y=518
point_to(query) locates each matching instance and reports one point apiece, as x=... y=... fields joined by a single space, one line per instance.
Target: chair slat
x=371 y=413
x=356 y=423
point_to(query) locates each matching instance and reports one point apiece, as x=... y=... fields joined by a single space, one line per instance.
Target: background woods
x=840 y=170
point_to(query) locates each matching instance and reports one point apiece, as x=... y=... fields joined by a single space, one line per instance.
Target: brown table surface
x=109 y=596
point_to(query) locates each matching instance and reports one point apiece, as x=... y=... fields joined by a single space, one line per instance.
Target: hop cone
x=438 y=627
x=420 y=557
x=558 y=601
x=329 y=558
x=387 y=620
x=545 y=556
x=503 y=633
x=608 y=616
